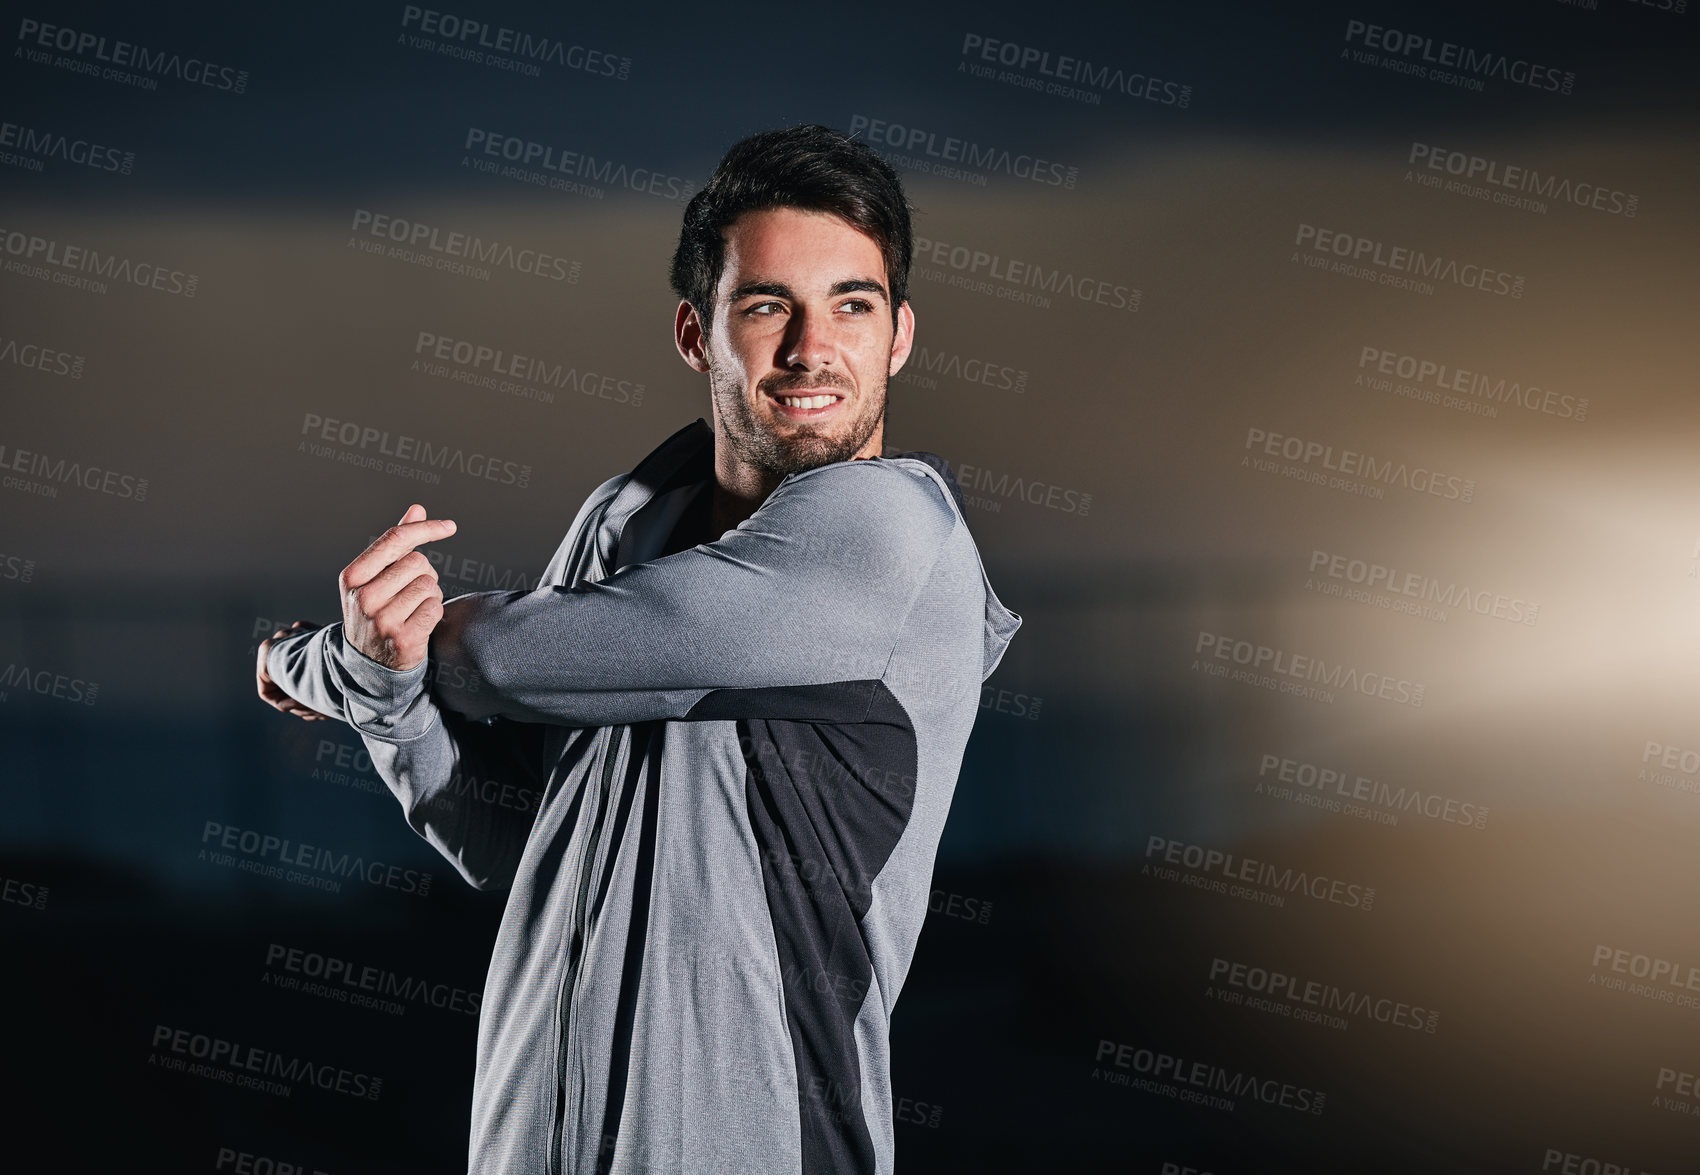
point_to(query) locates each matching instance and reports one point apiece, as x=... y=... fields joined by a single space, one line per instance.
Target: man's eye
x=761 y=306
x=859 y=306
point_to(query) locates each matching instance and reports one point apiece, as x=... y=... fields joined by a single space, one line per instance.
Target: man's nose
x=809 y=344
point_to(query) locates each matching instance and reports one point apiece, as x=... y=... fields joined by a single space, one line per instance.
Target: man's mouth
x=812 y=402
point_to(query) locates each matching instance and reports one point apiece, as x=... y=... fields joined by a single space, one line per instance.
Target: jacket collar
x=685 y=457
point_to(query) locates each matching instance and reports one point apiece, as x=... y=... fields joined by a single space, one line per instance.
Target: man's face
x=802 y=342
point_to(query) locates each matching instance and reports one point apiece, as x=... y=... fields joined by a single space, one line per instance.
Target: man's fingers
x=395 y=542
x=274 y=697
x=302 y=711
x=398 y=614
x=270 y=692
x=430 y=611
x=398 y=634
x=383 y=586
x=375 y=595
x=396 y=576
x=290 y=631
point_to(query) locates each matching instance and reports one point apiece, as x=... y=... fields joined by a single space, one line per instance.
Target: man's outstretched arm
x=462 y=783
x=814 y=587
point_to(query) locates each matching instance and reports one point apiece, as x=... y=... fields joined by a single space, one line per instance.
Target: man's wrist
x=378 y=680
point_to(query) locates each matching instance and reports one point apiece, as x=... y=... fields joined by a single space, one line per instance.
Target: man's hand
x=390 y=597
x=269 y=691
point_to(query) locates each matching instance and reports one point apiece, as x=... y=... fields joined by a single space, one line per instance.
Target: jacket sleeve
x=470 y=788
x=814 y=587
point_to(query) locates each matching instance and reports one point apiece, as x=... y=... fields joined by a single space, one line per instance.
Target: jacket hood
x=1001 y=623
x=687 y=458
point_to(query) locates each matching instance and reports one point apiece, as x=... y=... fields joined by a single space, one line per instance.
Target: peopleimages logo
x=83 y=267
x=1330 y=1003
x=562 y=168
x=500 y=47
x=1665 y=980
x=1661 y=763
x=29 y=894
x=34 y=464
x=17 y=567
x=926 y=151
x=1401 y=590
x=303 y=864
x=1338 y=790
x=1570 y=1163
x=927 y=365
x=410 y=236
x=1398 y=265
x=348 y=442
x=526 y=376
x=47 y=684
x=37 y=145
x=309 y=972
x=1031 y=68
x=1430 y=380
x=52 y=361
x=1013 y=279
x=250 y=1066
x=149 y=64
x=1681 y=1083
x=1350 y=464
x=1266 y=666
x=978 y=482
x=1447 y=61
x=1199 y=1081
x=1214 y=867
x=239 y=1162
x=1510 y=183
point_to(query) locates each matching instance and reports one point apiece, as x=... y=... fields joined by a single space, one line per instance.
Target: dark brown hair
x=811 y=167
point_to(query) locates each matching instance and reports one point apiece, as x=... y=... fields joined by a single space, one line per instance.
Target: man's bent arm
x=469 y=788
x=814 y=587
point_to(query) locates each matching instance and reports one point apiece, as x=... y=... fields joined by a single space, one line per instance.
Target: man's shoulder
x=606 y=491
x=878 y=517
x=597 y=500
x=894 y=489
x=588 y=516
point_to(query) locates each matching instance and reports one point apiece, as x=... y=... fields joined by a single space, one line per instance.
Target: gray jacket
x=745 y=751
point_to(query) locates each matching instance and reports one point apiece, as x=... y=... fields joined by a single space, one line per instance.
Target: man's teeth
x=806 y=401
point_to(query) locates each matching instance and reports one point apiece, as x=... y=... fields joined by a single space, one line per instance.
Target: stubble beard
x=805 y=446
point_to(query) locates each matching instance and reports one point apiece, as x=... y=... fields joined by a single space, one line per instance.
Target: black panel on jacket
x=827 y=803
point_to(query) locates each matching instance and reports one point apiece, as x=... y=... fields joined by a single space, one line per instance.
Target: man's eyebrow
x=773 y=289
x=864 y=284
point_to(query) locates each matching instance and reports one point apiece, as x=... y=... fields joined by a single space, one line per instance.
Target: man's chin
x=795 y=449
x=797 y=456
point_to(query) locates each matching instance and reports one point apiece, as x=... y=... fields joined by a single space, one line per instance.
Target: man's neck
x=740 y=489
x=736 y=502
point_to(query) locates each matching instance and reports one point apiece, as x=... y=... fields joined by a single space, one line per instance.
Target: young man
x=742 y=693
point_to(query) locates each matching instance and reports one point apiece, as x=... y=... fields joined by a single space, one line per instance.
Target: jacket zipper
x=566 y=996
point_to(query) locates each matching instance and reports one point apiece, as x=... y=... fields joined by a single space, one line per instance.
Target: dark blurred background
x=1323 y=381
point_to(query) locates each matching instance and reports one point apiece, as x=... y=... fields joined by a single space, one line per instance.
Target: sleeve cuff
x=390 y=703
x=377 y=680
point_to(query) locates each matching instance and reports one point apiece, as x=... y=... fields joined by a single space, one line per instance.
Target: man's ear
x=903 y=339
x=690 y=337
